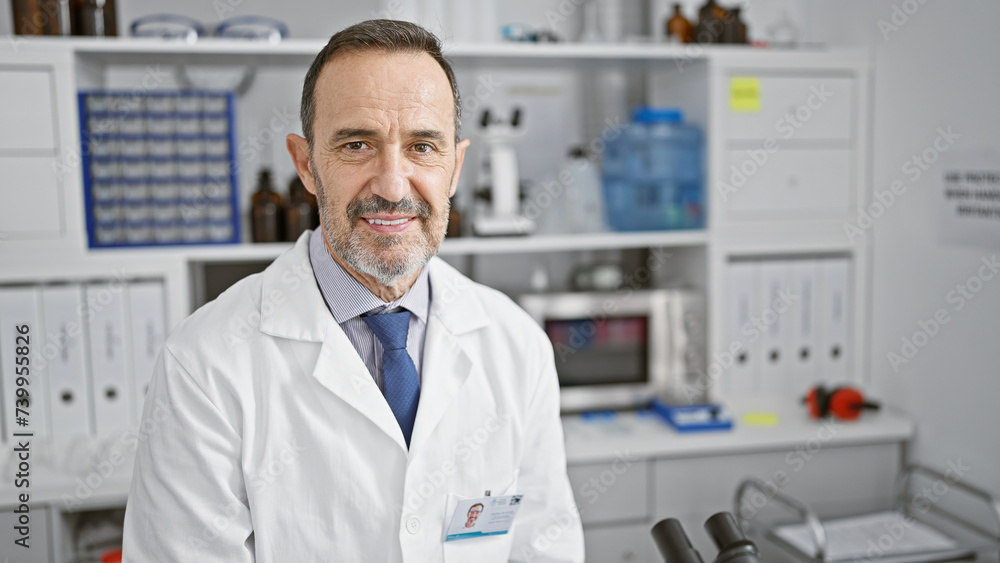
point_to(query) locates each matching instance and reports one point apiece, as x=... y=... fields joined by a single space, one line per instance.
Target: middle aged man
x=339 y=405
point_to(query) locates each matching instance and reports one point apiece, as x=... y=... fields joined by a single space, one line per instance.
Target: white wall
x=939 y=69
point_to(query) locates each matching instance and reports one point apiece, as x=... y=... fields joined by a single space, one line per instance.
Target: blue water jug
x=652 y=173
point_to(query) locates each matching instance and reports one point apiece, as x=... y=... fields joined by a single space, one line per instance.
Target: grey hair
x=387 y=36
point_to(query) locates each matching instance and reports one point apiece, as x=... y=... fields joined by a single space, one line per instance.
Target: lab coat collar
x=453 y=299
x=292 y=307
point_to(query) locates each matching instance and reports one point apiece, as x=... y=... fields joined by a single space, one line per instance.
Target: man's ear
x=459 y=159
x=298 y=148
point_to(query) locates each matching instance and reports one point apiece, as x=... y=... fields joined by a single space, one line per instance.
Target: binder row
x=92 y=351
x=789 y=324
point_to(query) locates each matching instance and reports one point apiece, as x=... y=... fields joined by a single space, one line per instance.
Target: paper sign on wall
x=970 y=195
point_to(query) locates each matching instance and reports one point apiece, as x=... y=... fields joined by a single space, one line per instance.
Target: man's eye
x=355 y=145
x=423 y=147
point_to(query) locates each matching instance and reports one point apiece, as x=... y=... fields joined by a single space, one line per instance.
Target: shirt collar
x=348 y=298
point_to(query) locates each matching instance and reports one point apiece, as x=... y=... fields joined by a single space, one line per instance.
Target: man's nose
x=392 y=178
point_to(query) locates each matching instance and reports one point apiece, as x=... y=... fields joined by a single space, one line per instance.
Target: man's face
x=473 y=515
x=384 y=160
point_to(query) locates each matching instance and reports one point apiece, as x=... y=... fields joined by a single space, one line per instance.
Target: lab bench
x=630 y=470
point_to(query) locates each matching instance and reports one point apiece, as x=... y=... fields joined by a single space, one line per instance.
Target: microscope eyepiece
x=673 y=543
x=734 y=547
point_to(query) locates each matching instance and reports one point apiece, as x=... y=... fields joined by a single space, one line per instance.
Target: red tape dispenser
x=842 y=403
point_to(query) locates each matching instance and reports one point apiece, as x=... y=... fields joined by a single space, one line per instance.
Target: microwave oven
x=621 y=349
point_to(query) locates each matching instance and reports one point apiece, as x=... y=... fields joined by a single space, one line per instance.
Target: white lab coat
x=264 y=437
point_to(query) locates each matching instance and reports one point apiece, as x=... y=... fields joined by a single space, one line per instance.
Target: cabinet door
x=786 y=183
x=27 y=110
x=630 y=543
x=833 y=480
x=30 y=192
x=786 y=108
x=615 y=491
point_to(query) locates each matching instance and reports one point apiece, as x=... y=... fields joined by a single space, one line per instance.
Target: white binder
x=69 y=393
x=109 y=365
x=804 y=324
x=836 y=320
x=775 y=314
x=741 y=307
x=41 y=529
x=147 y=325
x=21 y=336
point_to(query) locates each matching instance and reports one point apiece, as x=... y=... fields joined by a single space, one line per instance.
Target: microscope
x=502 y=215
x=675 y=547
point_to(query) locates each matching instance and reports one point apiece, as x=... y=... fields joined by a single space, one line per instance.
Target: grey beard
x=387 y=273
x=352 y=250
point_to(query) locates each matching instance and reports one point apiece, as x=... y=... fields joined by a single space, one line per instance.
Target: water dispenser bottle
x=652 y=173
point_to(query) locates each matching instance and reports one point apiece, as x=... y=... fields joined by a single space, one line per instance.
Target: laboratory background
x=763 y=237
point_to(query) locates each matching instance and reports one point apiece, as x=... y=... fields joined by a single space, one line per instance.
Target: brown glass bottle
x=711 y=18
x=679 y=28
x=302 y=212
x=734 y=30
x=742 y=37
x=454 y=221
x=266 y=211
x=94 y=17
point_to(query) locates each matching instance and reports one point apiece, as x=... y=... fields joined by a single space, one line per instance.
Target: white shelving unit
x=774 y=215
x=461 y=246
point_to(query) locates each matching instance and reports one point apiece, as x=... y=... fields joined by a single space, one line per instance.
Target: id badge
x=484 y=516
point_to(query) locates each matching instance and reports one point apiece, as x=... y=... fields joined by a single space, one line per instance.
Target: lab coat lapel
x=292 y=307
x=455 y=311
x=340 y=369
x=446 y=367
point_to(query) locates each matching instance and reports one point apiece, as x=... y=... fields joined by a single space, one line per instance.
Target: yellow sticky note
x=760 y=419
x=744 y=94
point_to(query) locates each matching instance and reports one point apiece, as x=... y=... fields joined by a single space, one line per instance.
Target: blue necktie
x=399 y=375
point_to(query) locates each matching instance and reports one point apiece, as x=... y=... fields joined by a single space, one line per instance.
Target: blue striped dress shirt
x=348 y=300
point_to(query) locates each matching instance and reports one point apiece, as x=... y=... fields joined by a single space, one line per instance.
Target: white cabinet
x=794 y=202
x=789 y=143
x=30 y=191
x=794 y=106
x=27 y=108
x=611 y=492
x=788 y=183
x=628 y=543
x=834 y=479
x=37 y=113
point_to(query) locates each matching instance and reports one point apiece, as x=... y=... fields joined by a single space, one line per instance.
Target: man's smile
x=388 y=224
